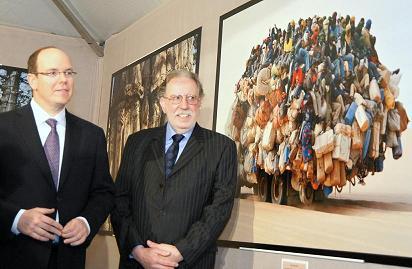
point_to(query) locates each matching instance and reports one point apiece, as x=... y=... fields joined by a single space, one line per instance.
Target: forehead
x=182 y=85
x=53 y=59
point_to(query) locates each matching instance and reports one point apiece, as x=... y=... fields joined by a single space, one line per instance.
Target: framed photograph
x=287 y=75
x=134 y=97
x=15 y=91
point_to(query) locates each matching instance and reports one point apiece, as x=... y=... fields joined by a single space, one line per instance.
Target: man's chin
x=184 y=126
x=62 y=100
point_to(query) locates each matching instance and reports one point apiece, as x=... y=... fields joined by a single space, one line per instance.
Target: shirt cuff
x=14 y=228
x=85 y=222
x=131 y=254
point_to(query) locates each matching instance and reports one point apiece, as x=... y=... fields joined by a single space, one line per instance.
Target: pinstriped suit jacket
x=189 y=209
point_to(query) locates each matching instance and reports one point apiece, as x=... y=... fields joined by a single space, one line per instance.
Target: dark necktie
x=171 y=153
x=52 y=150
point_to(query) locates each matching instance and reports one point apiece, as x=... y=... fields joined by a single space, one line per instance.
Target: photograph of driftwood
x=134 y=101
x=312 y=95
x=15 y=91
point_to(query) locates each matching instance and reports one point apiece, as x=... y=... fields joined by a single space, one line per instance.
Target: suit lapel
x=158 y=148
x=26 y=124
x=72 y=136
x=193 y=146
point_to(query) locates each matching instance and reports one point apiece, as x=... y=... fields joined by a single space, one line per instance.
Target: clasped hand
x=157 y=256
x=36 y=224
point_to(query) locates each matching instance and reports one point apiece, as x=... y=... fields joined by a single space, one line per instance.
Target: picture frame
x=240 y=32
x=15 y=90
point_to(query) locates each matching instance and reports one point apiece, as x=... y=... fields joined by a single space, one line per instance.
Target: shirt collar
x=40 y=115
x=170 y=132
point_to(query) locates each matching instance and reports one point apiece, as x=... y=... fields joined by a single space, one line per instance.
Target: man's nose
x=61 y=76
x=184 y=102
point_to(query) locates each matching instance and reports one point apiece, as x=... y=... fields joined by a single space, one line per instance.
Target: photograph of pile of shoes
x=315 y=108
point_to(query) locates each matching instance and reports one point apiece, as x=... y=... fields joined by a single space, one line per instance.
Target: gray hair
x=186 y=74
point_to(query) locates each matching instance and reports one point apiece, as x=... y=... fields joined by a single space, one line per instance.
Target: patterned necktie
x=171 y=153
x=52 y=150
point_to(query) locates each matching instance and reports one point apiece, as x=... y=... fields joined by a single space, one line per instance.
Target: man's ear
x=32 y=79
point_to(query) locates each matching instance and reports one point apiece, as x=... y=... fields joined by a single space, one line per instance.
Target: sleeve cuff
x=14 y=228
x=131 y=254
x=85 y=222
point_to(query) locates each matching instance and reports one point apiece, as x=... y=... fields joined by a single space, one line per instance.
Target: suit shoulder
x=4 y=116
x=215 y=136
x=15 y=111
x=84 y=124
x=9 y=116
x=145 y=133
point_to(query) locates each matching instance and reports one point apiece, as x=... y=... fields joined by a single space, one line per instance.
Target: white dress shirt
x=40 y=117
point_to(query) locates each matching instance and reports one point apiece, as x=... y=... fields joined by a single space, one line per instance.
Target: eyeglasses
x=177 y=99
x=55 y=74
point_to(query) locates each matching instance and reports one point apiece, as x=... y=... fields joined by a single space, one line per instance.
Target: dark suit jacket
x=85 y=187
x=189 y=209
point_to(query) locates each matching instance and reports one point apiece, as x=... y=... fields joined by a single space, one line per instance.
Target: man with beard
x=175 y=186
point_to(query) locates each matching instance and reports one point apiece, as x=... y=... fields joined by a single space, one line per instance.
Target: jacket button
x=59 y=199
x=162 y=212
x=161 y=185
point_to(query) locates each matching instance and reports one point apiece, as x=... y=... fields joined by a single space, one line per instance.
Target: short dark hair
x=32 y=61
x=186 y=74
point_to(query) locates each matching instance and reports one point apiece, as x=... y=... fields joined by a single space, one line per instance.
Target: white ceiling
x=101 y=18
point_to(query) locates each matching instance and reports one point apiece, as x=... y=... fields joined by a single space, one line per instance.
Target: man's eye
x=53 y=73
